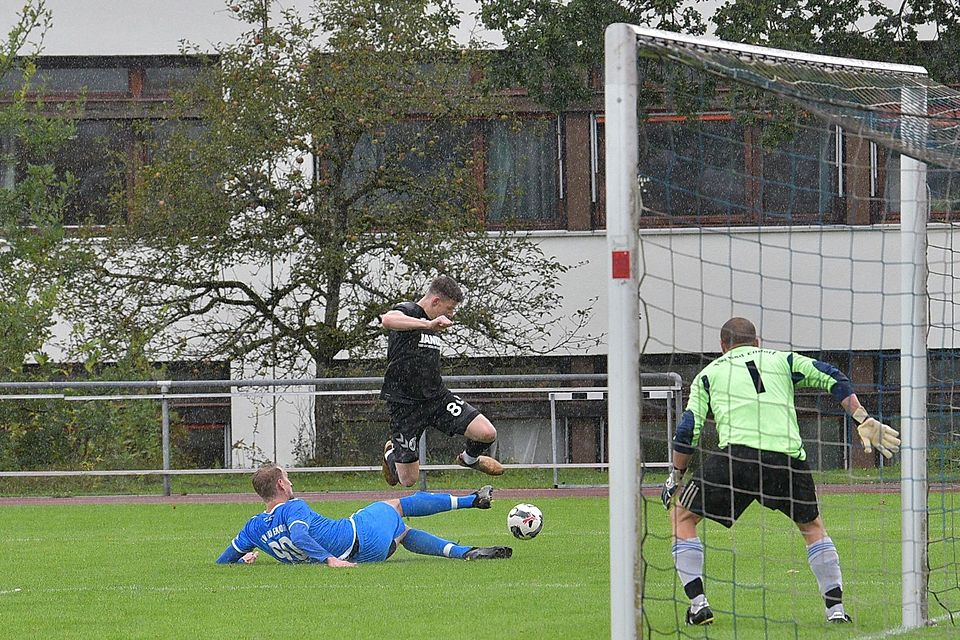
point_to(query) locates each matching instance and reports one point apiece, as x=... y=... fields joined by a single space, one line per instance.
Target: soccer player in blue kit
x=292 y=532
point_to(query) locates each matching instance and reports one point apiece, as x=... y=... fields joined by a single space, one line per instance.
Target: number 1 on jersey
x=755 y=374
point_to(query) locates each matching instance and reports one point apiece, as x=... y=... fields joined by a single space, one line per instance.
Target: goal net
x=819 y=198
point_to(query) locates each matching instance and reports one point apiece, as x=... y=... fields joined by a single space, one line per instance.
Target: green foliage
x=36 y=259
x=551 y=45
x=870 y=30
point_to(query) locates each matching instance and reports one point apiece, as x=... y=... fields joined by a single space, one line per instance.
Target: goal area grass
x=147 y=571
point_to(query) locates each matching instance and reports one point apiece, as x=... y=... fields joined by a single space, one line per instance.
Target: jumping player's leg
x=480 y=434
x=424 y=503
x=422 y=542
x=453 y=416
x=401 y=454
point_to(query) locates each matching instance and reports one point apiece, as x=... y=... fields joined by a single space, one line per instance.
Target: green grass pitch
x=147 y=571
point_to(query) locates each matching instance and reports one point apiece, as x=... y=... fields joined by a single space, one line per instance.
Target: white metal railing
x=666 y=386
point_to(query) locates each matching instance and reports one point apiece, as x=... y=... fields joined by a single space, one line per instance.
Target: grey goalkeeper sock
x=688 y=559
x=825 y=564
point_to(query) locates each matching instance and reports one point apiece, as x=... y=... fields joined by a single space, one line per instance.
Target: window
x=693 y=169
x=94 y=156
x=800 y=177
x=415 y=155
x=713 y=170
x=521 y=176
x=70 y=80
x=109 y=137
x=163 y=81
x=943 y=188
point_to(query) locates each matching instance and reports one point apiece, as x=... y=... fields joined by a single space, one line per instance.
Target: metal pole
x=913 y=364
x=553 y=437
x=623 y=348
x=423 y=461
x=165 y=434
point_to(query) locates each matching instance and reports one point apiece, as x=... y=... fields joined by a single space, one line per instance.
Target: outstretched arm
x=873 y=433
x=399 y=321
x=232 y=554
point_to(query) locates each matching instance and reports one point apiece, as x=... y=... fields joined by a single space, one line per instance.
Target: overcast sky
x=118 y=27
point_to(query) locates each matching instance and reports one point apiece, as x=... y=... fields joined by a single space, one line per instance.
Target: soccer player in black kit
x=414 y=391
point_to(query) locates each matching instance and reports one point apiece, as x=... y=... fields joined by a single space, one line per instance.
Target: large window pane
x=167 y=80
x=413 y=156
x=94 y=156
x=522 y=177
x=800 y=180
x=943 y=188
x=693 y=168
x=71 y=80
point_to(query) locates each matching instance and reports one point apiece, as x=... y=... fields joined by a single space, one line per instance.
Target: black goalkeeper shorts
x=447 y=413
x=730 y=479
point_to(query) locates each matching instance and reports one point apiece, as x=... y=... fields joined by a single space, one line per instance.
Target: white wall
x=146 y=27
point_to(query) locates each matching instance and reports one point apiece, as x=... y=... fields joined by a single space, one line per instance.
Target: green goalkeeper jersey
x=750 y=392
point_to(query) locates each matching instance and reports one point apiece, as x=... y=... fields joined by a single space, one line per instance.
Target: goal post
x=894 y=106
x=623 y=366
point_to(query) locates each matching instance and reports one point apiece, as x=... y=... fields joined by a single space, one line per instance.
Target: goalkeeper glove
x=670 y=486
x=874 y=433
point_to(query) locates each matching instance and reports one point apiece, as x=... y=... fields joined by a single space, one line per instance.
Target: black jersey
x=413 y=362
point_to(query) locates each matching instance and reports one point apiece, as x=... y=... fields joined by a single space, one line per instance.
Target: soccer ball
x=525 y=521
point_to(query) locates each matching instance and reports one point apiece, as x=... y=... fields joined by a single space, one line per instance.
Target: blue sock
x=423 y=503
x=428 y=544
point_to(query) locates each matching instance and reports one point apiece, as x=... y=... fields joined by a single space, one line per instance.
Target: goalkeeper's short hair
x=737 y=331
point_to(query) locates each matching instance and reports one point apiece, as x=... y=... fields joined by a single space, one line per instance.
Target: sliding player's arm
x=300 y=536
x=823 y=375
x=238 y=551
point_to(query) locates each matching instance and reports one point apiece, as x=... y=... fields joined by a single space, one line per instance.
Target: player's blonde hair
x=265 y=480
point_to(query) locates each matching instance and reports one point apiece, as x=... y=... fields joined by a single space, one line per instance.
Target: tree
x=851 y=28
x=321 y=172
x=35 y=261
x=551 y=45
x=29 y=206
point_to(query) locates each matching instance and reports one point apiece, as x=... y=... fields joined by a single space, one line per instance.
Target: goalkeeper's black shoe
x=484 y=497
x=839 y=617
x=703 y=616
x=488 y=553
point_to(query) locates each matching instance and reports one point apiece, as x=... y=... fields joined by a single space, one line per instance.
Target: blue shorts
x=378 y=525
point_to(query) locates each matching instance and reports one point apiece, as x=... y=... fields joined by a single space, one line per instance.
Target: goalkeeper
x=750 y=392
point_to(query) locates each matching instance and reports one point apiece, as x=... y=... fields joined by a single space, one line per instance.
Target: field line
x=899 y=631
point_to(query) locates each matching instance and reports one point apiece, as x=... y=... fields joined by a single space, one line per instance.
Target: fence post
x=165 y=433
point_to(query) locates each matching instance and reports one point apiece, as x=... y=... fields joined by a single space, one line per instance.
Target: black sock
x=693 y=588
x=476 y=449
x=833 y=597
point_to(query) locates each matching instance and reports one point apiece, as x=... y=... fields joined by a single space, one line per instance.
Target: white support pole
x=621 y=85
x=913 y=365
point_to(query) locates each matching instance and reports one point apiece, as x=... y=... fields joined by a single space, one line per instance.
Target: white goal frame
x=622 y=42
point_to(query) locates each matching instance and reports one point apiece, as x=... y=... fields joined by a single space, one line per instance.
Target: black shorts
x=729 y=480
x=447 y=413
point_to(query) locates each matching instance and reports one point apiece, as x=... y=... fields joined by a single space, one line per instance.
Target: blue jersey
x=293 y=532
